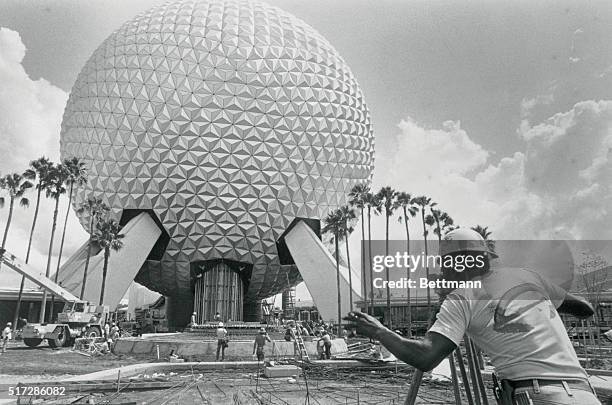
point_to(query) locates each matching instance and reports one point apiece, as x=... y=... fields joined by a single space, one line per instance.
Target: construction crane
x=78 y=318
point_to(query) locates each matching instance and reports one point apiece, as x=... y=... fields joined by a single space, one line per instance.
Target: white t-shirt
x=221 y=333
x=7 y=333
x=513 y=318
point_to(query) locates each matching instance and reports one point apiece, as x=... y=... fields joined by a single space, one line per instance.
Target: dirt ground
x=242 y=388
x=325 y=386
x=47 y=363
x=322 y=385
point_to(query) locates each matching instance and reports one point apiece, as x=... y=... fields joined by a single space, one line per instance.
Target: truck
x=77 y=319
x=152 y=318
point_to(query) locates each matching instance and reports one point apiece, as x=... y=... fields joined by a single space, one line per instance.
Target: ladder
x=299 y=341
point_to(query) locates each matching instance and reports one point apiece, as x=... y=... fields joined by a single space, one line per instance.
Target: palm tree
x=486 y=235
x=348 y=215
x=387 y=197
x=404 y=201
x=55 y=189
x=372 y=202
x=425 y=202
x=334 y=224
x=96 y=209
x=38 y=170
x=16 y=185
x=107 y=236
x=357 y=199
x=443 y=222
x=76 y=174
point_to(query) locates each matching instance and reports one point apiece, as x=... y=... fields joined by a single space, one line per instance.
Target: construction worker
x=327 y=344
x=7 y=334
x=193 y=320
x=114 y=332
x=106 y=331
x=321 y=348
x=260 y=342
x=222 y=339
x=513 y=318
x=288 y=334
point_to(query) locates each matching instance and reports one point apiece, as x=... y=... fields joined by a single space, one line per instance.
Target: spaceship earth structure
x=227 y=120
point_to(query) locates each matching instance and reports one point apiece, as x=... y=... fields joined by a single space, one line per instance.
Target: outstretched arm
x=423 y=354
x=577 y=306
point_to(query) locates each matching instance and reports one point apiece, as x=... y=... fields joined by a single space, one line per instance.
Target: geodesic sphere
x=227 y=119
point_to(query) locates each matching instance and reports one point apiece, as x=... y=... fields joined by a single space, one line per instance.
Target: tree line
x=363 y=202
x=54 y=180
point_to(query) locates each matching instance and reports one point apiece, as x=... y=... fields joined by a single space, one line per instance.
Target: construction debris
x=93 y=346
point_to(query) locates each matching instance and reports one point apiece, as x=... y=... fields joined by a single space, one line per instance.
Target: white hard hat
x=220 y=324
x=464 y=240
x=9 y=324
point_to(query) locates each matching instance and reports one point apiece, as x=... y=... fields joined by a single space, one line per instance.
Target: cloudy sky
x=500 y=111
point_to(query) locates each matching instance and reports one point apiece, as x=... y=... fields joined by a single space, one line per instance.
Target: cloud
x=30 y=118
x=449 y=151
x=30 y=110
x=557 y=187
x=528 y=104
x=607 y=71
x=574 y=48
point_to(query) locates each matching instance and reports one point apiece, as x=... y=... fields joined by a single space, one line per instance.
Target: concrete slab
x=142 y=347
x=281 y=371
x=165 y=367
x=207 y=349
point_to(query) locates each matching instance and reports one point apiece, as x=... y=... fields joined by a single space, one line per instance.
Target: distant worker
x=193 y=320
x=222 y=341
x=321 y=348
x=327 y=344
x=7 y=334
x=217 y=317
x=106 y=331
x=259 y=343
x=114 y=332
x=513 y=317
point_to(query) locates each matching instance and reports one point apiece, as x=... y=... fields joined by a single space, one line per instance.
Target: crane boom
x=35 y=276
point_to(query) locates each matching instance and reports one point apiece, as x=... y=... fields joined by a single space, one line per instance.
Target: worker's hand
x=366 y=325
